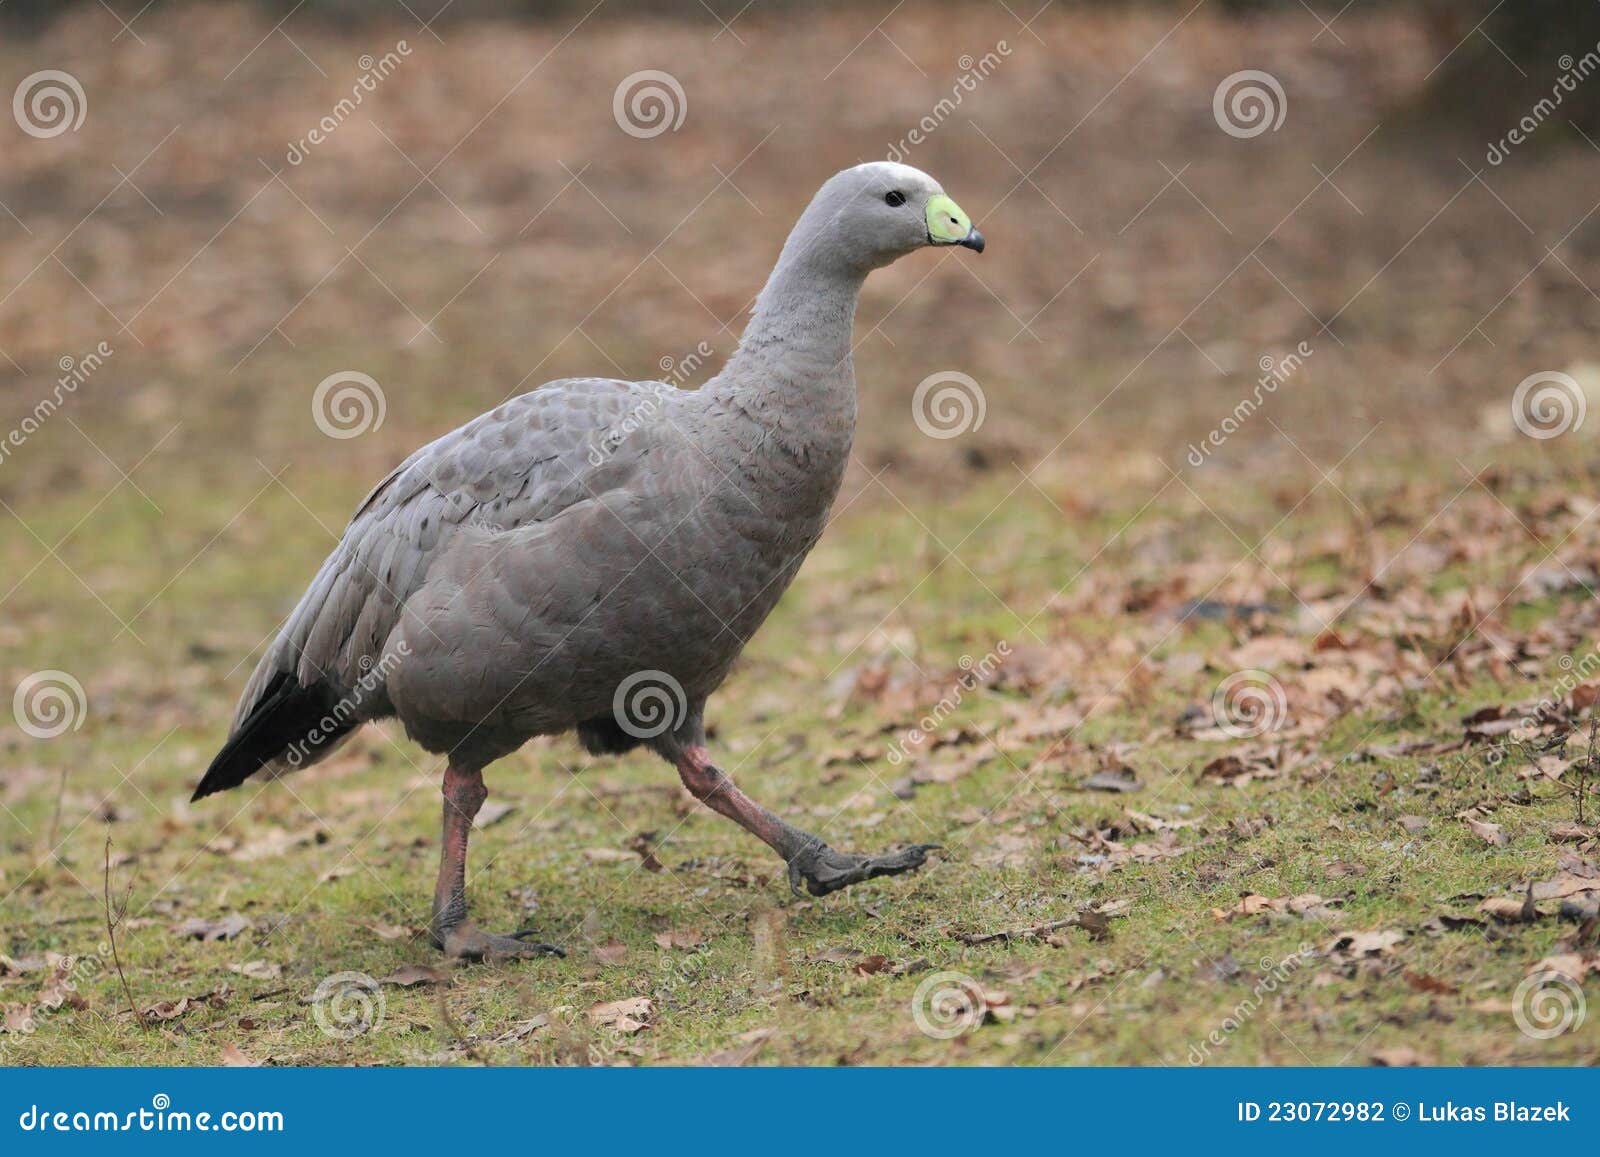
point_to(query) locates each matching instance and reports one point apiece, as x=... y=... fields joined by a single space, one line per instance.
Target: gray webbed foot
x=824 y=870
x=467 y=942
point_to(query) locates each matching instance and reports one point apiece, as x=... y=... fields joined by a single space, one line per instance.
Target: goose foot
x=824 y=870
x=467 y=942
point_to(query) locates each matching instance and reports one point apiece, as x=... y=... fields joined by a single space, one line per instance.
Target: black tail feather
x=288 y=721
x=605 y=736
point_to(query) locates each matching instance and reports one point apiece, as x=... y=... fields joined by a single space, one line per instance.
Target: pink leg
x=464 y=793
x=811 y=861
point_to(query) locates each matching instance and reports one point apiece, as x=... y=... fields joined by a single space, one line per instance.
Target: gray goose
x=593 y=556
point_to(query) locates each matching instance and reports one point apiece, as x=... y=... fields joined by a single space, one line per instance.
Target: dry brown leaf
x=682 y=939
x=1353 y=945
x=258 y=969
x=233 y=1057
x=1509 y=909
x=1120 y=779
x=492 y=812
x=169 y=1009
x=1431 y=984
x=1489 y=833
x=522 y=1029
x=1573 y=965
x=390 y=931
x=1401 y=1057
x=626 y=1016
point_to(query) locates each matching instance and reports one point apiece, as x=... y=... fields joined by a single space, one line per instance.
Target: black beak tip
x=973 y=241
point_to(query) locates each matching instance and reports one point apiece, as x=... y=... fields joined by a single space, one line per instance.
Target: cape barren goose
x=594 y=555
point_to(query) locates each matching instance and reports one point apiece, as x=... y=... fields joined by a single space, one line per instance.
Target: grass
x=331 y=870
x=160 y=526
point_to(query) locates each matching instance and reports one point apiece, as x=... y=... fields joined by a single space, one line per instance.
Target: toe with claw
x=467 y=942
x=824 y=870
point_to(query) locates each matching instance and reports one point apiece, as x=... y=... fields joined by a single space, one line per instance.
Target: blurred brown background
x=481 y=224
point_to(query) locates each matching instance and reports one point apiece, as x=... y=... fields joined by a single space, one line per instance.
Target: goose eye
x=895 y=199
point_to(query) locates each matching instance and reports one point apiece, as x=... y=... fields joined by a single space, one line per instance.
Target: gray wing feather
x=523 y=462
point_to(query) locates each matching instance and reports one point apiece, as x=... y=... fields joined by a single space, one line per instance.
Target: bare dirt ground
x=1278 y=751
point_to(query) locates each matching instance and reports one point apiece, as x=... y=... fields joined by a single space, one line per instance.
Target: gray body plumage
x=505 y=579
x=517 y=576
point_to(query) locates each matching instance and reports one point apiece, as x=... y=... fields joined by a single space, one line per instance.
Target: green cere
x=947 y=224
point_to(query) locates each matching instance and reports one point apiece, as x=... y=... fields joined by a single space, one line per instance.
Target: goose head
x=868 y=216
